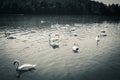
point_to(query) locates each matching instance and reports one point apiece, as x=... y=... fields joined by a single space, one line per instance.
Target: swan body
x=54 y=41
x=103 y=33
x=8 y=33
x=73 y=29
x=55 y=45
x=33 y=31
x=97 y=38
x=24 y=66
x=11 y=37
x=75 y=48
x=75 y=34
x=57 y=34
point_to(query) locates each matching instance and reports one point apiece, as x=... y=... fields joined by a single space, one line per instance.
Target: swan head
x=16 y=63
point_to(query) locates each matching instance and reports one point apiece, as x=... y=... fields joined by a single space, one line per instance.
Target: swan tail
x=34 y=65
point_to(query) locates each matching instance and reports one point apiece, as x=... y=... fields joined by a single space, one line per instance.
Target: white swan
x=42 y=21
x=24 y=66
x=73 y=29
x=8 y=33
x=53 y=42
x=75 y=48
x=97 y=39
x=56 y=38
x=103 y=33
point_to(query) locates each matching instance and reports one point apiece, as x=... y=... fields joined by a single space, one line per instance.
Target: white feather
x=26 y=66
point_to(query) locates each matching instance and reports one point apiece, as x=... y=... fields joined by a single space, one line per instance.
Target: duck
x=75 y=34
x=8 y=33
x=11 y=37
x=67 y=25
x=54 y=45
x=75 y=48
x=97 y=38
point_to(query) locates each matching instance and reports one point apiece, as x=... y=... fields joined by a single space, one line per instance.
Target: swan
x=11 y=37
x=57 y=34
x=73 y=29
x=67 y=25
x=52 y=41
x=24 y=66
x=75 y=48
x=97 y=39
x=8 y=33
x=42 y=21
x=103 y=33
x=54 y=45
x=75 y=34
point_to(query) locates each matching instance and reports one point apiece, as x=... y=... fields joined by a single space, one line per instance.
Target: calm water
x=31 y=45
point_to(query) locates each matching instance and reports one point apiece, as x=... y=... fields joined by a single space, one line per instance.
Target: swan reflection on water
x=23 y=68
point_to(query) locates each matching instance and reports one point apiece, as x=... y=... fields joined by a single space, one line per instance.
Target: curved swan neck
x=16 y=63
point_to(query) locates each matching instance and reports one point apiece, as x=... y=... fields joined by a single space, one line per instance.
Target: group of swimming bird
x=54 y=43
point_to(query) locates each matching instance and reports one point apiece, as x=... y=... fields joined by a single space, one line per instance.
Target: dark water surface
x=31 y=45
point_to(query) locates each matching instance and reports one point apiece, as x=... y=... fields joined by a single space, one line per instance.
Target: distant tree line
x=85 y=7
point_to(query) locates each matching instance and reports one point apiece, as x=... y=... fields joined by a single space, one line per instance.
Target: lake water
x=31 y=45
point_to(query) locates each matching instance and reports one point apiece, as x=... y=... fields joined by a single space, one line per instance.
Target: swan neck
x=16 y=65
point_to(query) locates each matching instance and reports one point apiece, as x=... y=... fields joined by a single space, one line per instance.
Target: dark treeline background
x=86 y=7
